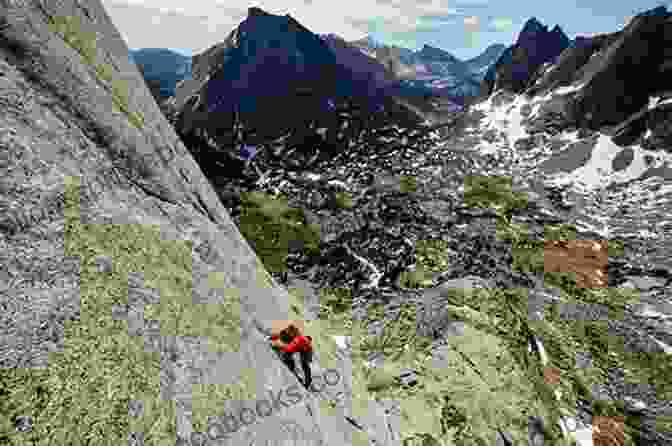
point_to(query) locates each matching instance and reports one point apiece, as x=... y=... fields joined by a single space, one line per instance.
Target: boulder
x=623 y=159
x=433 y=316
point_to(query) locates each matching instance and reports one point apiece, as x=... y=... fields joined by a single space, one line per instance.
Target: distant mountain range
x=163 y=66
x=429 y=70
x=432 y=67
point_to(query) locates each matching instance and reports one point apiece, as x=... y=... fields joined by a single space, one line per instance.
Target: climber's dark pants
x=306 y=359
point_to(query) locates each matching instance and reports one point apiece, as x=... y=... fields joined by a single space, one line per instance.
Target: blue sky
x=465 y=27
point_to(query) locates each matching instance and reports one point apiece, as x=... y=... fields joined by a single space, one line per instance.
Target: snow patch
x=343 y=342
x=653 y=102
x=666 y=101
x=569 y=89
x=666 y=348
x=507 y=118
x=597 y=171
x=337 y=183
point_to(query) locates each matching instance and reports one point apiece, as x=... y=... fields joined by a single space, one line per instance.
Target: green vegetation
x=492 y=381
x=69 y=28
x=431 y=258
x=270 y=225
x=344 y=200
x=408 y=184
x=493 y=192
x=208 y=398
x=82 y=396
x=335 y=302
x=488 y=379
x=417 y=278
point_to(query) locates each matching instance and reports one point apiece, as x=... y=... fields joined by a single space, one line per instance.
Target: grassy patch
x=417 y=278
x=431 y=258
x=70 y=30
x=432 y=255
x=120 y=101
x=493 y=192
x=272 y=227
x=334 y=302
x=461 y=403
x=408 y=184
x=343 y=200
x=207 y=399
x=82 y=396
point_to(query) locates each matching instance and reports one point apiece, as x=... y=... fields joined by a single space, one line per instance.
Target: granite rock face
x=59 y=126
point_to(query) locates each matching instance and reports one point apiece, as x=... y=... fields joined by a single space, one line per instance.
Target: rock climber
x=290 y=340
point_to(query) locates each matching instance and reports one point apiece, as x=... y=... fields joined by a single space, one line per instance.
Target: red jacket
x=299 y=344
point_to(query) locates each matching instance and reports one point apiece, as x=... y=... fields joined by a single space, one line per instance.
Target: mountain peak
x=533 y=26
x=660 y=11
x=255 y=11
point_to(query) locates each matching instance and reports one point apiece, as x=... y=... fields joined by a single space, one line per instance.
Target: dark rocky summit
x=642 y=47
x=270 y=60
x=598 y=66
x=535 y=46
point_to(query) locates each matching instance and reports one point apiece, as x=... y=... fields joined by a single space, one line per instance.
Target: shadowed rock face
x=593 y=68
x=242 y=88
x=361 y=64
x=60 y=127
x=571 y=64
x=641 y=48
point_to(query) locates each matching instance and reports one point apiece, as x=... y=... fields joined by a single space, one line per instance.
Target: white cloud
x=202 y=23
x=472 y=21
